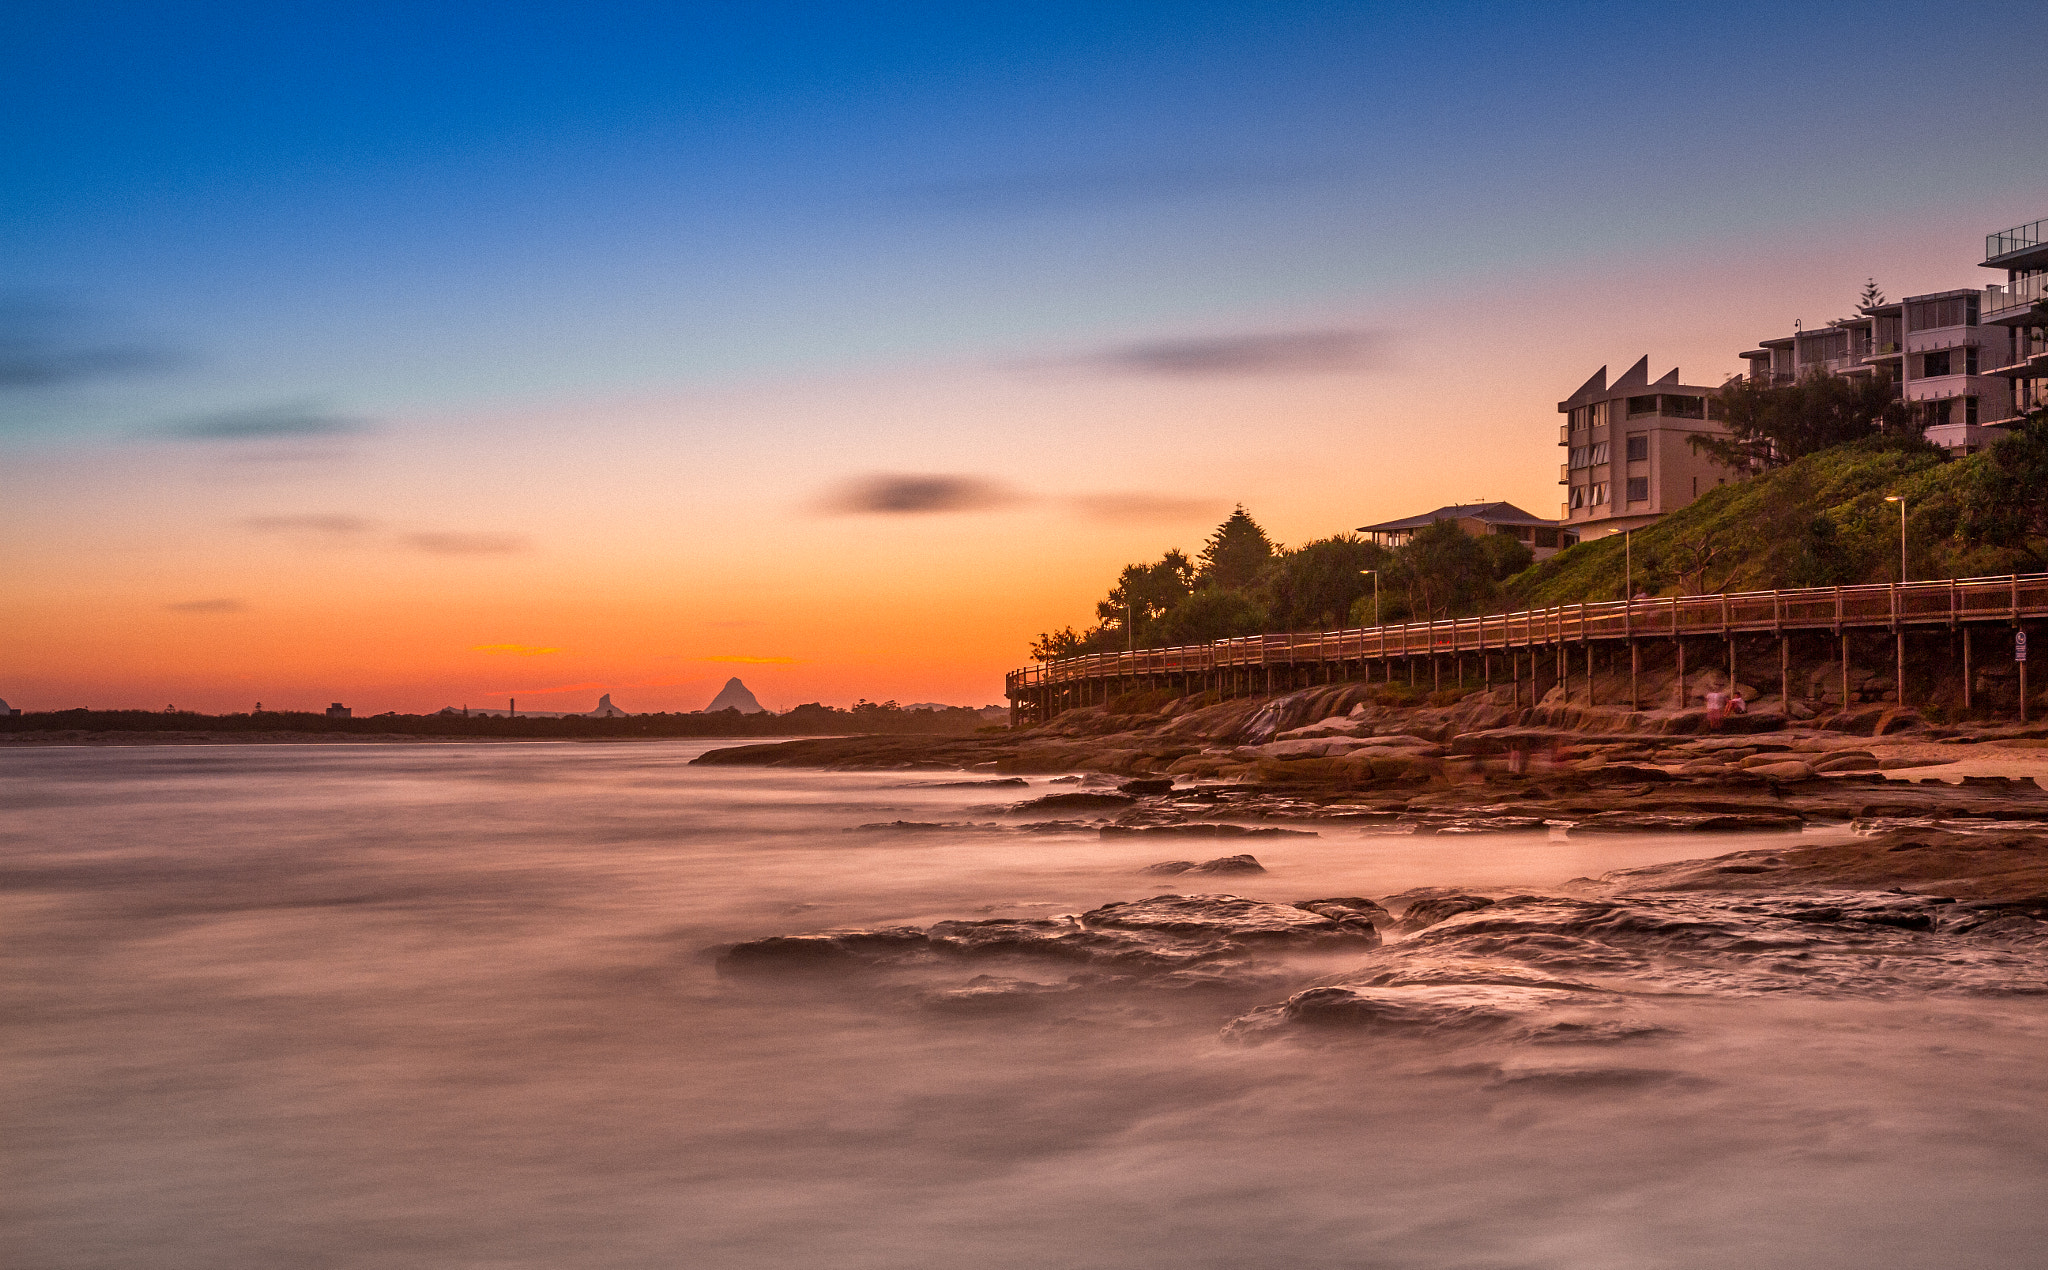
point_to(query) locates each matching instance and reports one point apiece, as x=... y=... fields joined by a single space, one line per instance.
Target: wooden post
x=1681 y=673
x=1967 y=676
x=1785 y=673
x=1589 y=674
x=1731 y=658
x=1514 y=679
x=1845 y=665
x=1436 y=671
x=1900 y=637
x=1635 y=670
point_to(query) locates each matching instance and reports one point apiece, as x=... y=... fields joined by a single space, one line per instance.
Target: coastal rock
x=1165 y=932
x=1222 y=864
x=1077 y=801
x=1557 y=968
x=1430 y=910
x=1203 y=829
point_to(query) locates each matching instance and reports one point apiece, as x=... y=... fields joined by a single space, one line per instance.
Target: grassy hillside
x=1821 y=521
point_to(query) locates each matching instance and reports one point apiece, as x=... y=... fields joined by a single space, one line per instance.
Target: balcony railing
x=2024 y=293
x=2019 y=238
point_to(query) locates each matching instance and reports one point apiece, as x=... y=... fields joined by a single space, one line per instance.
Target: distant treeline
x=805 y=720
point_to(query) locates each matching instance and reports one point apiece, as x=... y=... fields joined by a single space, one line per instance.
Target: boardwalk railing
x=1949 y=602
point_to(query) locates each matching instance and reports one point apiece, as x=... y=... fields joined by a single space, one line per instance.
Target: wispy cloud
x=44 y=344
x=900 y=494
x=517 y=650
x=467 y=544
x=208 y=606
x=312 y=524
x=757 y=661
x=1134 y=507
x=291 y=421
x=1270 y=353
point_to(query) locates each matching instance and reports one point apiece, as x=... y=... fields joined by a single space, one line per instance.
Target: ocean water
x=368 y=1007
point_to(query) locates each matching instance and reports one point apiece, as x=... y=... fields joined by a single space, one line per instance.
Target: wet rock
x=1686 y=822
x=1203 y=829
x=1222 y=864
x=1233 y=919
x=1147 y=786
x=1163 y=933
x=1430 y=910
x=1409 y=1009
x=1788 y=770
x=1354 y=908
x=796 y=951
x=1077 y=801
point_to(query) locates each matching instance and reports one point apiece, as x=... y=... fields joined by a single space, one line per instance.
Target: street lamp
x=1375 y=593
x=1900 y=499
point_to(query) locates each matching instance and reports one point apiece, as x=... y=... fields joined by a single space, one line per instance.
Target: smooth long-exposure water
x=448 y=1006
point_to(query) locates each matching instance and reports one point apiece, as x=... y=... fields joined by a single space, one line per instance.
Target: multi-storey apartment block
x=1956 y=366
x=1628 y=455
x=2020 y=307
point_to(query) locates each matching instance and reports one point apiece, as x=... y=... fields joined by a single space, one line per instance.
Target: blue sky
x=404 y=206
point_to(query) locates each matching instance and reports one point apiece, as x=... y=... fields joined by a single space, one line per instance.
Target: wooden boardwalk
x=1518 y=644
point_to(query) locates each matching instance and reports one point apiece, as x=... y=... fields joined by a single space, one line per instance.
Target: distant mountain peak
x=605 y=709
x=734 y=696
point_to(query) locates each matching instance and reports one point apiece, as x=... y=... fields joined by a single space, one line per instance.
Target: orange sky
x=649 y=543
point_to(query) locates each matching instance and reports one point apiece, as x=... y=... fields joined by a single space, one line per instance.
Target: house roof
x=1490 y=513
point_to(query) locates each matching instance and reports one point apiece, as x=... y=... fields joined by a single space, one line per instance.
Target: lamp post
x=1900 y=499
x=1375 y=593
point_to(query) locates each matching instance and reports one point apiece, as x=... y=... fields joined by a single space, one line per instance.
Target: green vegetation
x=1770 y=425
x=1827 y=452
x=1822 y=520
x=1243 y=583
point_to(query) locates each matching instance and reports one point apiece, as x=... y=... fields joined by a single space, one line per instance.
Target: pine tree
x=1871 y=297
x=1236 y=552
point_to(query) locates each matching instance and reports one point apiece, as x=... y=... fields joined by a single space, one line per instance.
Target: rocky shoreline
x=1927 y=886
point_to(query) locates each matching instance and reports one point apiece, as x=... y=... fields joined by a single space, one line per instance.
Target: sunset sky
x=414 y=355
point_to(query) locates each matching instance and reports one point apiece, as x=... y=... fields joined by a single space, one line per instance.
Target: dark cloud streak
x=1281 y=353
x=902 y=495
x=44 y=344
x=264 y=423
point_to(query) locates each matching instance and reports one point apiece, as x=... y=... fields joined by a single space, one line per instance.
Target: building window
x=1927 y=315
x=1685 y=407
x=1546 y=538
x=1638 y=489
x=1934 y=365
x=1578 y=497
x=1969 y=410
x=1970 y=360
x=1639 y=448
x=1600 y=452
x=1933 y=414
x=1641 y=406
x=1581 y=456
x=1601 y=409
x=1598 y=497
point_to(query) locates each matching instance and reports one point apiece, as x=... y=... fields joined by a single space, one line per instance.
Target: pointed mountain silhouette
x=605 y=709
x=734 y=696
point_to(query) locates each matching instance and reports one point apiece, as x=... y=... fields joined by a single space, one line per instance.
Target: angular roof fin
x=1638 y=376
x=1671 y=379
x=1591 y=388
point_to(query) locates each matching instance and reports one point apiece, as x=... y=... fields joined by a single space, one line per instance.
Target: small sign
x=2019 y=645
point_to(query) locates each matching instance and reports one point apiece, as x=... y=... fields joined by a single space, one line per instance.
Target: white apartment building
x=1969 y=360
x=1629 y=459
x=2021 y=308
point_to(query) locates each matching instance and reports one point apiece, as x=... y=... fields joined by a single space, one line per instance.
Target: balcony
x=2013 y=248
x=1564 y=474
x=2010 y=305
